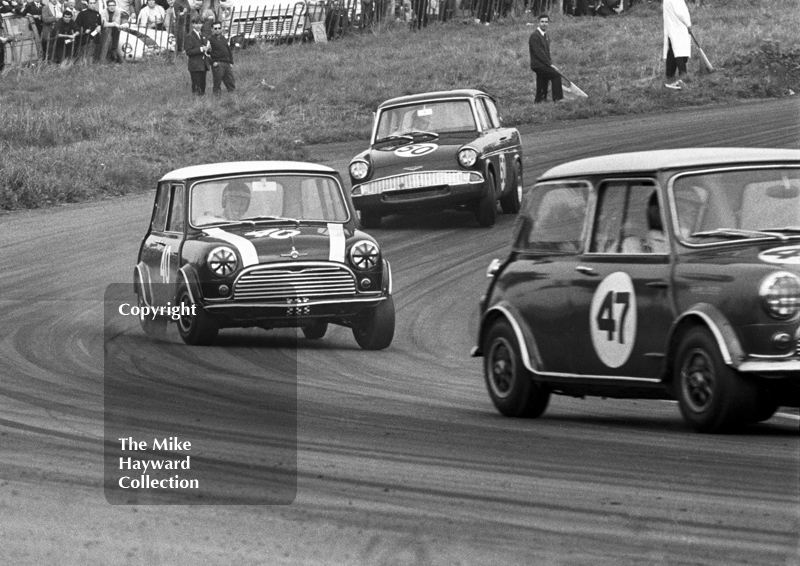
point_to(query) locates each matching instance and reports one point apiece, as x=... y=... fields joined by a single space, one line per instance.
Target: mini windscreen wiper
x=790 y=229
x=397 y=137
x=737 y=233
x=421 y=134
x=255 y=219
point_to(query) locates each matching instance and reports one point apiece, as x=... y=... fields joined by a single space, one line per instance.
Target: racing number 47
x=605 y=316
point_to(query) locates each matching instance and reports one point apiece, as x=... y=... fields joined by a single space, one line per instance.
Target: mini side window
x=159 y=220
x=176 y=210
x=552 y=218
x=628 y=219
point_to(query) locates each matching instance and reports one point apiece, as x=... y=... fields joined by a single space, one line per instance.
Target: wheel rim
x=698 y=380
x=185 y=322
x=501 y=367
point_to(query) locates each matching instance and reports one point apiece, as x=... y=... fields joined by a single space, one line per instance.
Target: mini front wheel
x=712 y=396
x=375 y=329
x=196 y=326
x=510 y=384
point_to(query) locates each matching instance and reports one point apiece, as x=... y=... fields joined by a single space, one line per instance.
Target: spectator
x=221 y=60
x=677 y=42
x=169 y=16
x=63 y=37
x=182 y=24
x=4 y=39
x=152 y=16
x=420 y=14
x=208 y=23
x=546 y=72
x=90 y=24
x=51 y=13
x=112 y=19
x=10 y=6
x=33 y=11
x=197 y=48
x=125 y=11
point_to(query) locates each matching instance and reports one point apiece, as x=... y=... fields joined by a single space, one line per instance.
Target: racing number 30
x=612 y=319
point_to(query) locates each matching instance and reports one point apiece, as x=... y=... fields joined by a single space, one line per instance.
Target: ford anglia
x=434 y=151
x=268 y=244
x=661 y=274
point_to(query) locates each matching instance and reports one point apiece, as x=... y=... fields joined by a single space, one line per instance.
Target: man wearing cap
x=221 y=60
x=63 y=37
x=197 y=49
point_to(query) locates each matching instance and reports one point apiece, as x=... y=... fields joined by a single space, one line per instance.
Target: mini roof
x=438 y=95
x=244 y=168
x=651 y=161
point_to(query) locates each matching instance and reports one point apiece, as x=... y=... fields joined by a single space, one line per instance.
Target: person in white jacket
x=677 y=41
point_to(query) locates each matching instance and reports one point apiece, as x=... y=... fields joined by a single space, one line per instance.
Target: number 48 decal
x=613 y=319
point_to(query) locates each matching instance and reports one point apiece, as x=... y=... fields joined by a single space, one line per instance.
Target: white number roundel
x=612 y=319
x=415 y=149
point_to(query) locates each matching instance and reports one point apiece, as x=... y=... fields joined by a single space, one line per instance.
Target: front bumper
x=424 y=190
x=294 y=312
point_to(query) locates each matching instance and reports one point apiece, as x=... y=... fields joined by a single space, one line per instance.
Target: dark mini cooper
x=269 y=244
x=434 y=151
x=663 y=274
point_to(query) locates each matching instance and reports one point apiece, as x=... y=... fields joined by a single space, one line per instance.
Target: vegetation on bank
x=83 y=132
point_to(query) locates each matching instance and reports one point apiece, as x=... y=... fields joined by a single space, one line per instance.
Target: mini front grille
x=276 y=284
x=418 y=181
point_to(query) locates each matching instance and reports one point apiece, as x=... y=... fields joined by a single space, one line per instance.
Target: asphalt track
x=401 y=457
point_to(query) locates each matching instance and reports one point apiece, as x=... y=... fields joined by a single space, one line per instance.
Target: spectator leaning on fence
x=91 y=24
x=63 y=37
x=4 y=39
x=111 y=21
x=152 y=16
x=33 y=11
x=183 y=18
x=51 y=13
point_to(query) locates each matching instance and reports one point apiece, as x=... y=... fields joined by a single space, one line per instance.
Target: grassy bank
x=83 y=132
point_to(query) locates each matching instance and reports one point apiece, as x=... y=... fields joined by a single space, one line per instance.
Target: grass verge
x=84 y=132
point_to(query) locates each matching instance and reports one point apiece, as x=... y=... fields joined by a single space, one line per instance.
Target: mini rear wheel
x=510 y=384
x=152 y=326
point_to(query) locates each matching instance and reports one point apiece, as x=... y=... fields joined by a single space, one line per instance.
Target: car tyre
x=510 y=203
x=712 y=396
x=154 y=327
x=486 y=210
x=199 y=329
x=316 y=330
x=767 y=404
x=510 y=384
x=374 y=330
x=370 y=219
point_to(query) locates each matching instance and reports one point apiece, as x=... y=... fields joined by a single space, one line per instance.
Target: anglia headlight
x=467 y=157
x=359 y=169
x=222 y=261
x=364 y=255
x=780 y=295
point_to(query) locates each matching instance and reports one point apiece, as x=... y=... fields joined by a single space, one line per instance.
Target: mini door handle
x=586 y=270
x=658 y=284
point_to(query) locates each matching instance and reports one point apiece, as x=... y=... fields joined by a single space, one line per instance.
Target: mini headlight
x=364 y=255
x=222 y=261
x=467 y=157
x=780 y=293
x=359 y=169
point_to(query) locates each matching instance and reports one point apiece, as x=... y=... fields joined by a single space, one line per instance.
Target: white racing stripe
x=245 y=247
x=336 y=237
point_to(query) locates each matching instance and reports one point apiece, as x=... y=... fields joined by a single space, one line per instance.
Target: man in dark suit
x=196 y=48
x=546 y=72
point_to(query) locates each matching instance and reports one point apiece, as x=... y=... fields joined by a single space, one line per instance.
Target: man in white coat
x=677 y=42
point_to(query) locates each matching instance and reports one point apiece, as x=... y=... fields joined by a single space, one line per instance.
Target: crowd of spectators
x=69 y=29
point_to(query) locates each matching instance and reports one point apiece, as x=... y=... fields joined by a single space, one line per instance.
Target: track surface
x=401 y=457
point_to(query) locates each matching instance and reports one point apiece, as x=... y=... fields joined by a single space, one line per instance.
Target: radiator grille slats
x=416 y=181
x=267 y=283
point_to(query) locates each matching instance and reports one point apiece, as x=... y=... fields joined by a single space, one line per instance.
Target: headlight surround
x=467 y=157
x=780 y=295
x=364 y=255
x=222 y=261
x=359 y=170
